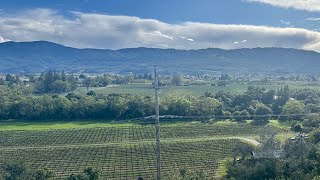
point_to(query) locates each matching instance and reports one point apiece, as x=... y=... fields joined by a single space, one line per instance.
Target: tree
x=224 y=77
x=10 y=78
x=179 y=106
x=243 y=149
x=312 y=120
x=59 y=86
x=88 y=174
x=293 y=109
x=91 y=93
x=297 y=151
x=269 y=142
x=2 y=81
x=17 y=80
x=262 y=113
x=296 y=126
x=54 y=82
x=236 y=116
x=241 y=115
x=91 y=174
x=204 y=106
x=82 y=76
x=72 y=81
x=281 y=98
x=88 y=82
x=43 y=174
x=63 y=76
x=315 y=136
x=138 y=107
x=255 y=93
x=268 y=97
x=103 y=80
x=16 y=172
x=176 y=80
x=22 y=172
x=48 y=80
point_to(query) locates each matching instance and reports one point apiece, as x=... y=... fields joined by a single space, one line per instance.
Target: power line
x=157 y=118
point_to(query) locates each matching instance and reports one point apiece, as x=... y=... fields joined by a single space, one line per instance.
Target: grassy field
x=51 y=125
x=15 y=125
x=142 y=89
x=125 y=150
x=198 y=90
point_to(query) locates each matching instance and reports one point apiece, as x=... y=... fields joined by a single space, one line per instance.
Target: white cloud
x=83 y=30
x=313 y=19
x=188 y=39
x=2 y=39
x=285 y=22
x=308 y=5
x=243 y=41
x=158 y=33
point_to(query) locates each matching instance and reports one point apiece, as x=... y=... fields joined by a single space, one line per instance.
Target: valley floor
x=126 y=150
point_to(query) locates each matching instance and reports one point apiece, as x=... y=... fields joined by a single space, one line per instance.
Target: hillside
x=39 y=56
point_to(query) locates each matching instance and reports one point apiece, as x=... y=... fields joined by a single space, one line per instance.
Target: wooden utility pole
x=156 y=96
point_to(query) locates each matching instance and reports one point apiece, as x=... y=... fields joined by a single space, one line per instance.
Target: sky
x=179 y=24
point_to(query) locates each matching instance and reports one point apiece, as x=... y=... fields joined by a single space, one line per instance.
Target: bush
x=91 y=93
x=241 y=115
x=296 y=127
x=262 y=113
x=312 y=120
x=236 y=116
x=315 y=136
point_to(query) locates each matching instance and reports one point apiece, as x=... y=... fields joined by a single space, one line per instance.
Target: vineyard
x=198 y=90
x=126 y=152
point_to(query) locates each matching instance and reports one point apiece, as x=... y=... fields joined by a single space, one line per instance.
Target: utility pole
x=156 y=96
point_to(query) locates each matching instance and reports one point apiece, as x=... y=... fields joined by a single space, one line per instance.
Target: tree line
x=19 y=103
x=258 y=104
x=61 y=82
x=21 y=171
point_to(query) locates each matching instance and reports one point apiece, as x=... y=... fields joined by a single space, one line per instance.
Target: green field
x=143 y=89
x=124 y=151
x=198 y=90
x=47 y=125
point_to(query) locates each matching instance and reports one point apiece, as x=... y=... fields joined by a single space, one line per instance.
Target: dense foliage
x=54 y=82
x=20 y=102
x=299 y=159
x=24 y=172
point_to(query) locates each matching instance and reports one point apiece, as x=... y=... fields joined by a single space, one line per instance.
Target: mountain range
x=40 y=56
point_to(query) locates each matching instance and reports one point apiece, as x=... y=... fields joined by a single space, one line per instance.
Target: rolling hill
x=40 y=56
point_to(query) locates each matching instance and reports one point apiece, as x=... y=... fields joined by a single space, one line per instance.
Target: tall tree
x=293 y=109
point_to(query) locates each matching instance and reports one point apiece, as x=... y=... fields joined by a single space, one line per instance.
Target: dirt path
x=249 y=140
